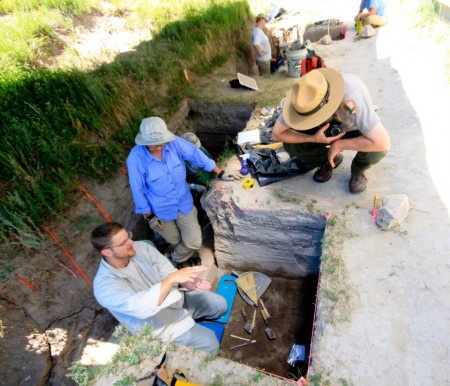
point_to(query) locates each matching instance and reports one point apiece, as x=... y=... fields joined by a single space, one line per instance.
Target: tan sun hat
x=153 y=131
x=313 y=99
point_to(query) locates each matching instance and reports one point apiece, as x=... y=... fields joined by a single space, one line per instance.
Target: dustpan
x=251 y=286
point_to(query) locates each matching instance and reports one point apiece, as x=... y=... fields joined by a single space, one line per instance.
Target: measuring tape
x=248 y=183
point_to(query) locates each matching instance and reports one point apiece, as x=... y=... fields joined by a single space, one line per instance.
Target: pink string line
x=67 y=268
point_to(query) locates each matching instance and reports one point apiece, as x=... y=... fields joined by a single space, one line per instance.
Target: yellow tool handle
x=264 y=308
x=264 y=316
x=254 y=319
x=271 y=146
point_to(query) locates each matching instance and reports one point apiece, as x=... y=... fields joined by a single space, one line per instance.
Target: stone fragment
x=393 y=210
x=326 y=40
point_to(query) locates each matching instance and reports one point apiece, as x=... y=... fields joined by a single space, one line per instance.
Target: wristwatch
x=149 y=218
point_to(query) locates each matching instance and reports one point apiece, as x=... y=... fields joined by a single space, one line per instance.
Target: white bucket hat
x=153 y=131
x=192 y=138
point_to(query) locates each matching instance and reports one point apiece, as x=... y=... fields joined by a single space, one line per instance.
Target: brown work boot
x=194 y=260
x=358 y=184
x=325 y=171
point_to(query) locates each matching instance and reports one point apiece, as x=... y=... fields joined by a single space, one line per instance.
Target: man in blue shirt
x=157 y=174
x=372 y=12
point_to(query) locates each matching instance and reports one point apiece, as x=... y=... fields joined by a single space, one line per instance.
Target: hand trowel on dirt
x=250 y=326
x=251 y=286
x=266 y=316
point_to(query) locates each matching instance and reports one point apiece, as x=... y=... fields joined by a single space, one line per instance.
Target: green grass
x=133 y=349
x=59 y=125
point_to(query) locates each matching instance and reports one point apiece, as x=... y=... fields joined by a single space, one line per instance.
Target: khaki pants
x=184 y=233
x=264 y=67
x=375 y=20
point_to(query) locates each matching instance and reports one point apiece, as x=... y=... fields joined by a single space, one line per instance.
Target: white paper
x=250 y=136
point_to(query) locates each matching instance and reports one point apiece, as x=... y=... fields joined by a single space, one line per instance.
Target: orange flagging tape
x=124 y=171
x=91 y=197
x=8 y=298
x=28 y=283
x=68 y=254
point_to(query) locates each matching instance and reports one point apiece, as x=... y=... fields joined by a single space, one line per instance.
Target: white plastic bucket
x=294 y=59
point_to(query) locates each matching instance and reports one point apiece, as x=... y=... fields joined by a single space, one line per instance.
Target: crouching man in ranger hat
x=326 y=112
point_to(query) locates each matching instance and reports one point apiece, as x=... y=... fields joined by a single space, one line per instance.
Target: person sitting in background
x=261 y=45
x=157 y=175
x=140 y=287
x=372 y=12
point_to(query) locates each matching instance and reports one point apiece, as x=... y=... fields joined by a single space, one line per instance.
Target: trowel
x=266 y=316
x=249 y=327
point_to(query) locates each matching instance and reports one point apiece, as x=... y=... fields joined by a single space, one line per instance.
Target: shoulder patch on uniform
x=349 y=106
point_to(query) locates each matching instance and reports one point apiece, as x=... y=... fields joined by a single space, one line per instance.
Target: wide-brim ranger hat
x=313 y=99
x=153 y=131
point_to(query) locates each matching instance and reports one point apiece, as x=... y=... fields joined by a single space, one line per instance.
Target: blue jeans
x=202 y=304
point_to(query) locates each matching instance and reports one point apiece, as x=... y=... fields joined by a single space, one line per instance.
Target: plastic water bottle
x=244 y=164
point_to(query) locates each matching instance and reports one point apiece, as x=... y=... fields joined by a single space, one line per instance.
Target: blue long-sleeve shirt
x=368 y=4
x=159 y=186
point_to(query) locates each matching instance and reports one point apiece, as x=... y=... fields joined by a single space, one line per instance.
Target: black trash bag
x=235 y=83
x=267 y=169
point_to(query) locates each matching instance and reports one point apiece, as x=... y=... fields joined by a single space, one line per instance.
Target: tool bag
x=311 y=62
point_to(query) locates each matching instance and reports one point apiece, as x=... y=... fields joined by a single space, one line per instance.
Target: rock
x=368 y=31
x=325 y=40
x=336 y=31
x=393 y=211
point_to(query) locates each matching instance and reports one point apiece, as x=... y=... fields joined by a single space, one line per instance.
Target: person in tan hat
x=261 y=45
x=326 y=112
x=157 y=175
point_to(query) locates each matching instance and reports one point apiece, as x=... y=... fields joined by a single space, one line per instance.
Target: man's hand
x=190 y=279
x=320 y=136
x=230 y=176
x=155 y=224
x=197 y=285
x=333 y=151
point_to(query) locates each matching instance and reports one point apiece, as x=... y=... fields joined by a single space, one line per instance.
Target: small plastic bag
x=298 y=353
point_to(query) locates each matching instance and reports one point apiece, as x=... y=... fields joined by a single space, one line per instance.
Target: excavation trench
x=283 y=244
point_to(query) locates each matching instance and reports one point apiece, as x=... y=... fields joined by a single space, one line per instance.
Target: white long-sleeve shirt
x=132 y=293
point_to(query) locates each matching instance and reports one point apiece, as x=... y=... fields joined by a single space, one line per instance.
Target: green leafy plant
x=258 y=377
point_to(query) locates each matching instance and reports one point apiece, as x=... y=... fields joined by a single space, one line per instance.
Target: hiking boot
x=325 y=171
x=183 y=264
x=357 y=184
x=194 y=260
x=176 y=264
